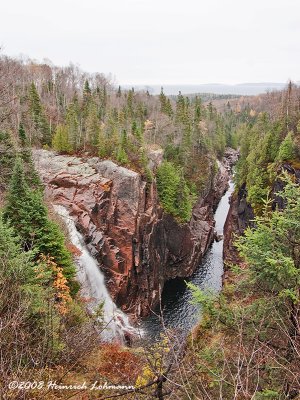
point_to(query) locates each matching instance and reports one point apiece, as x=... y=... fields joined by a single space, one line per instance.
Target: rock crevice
x=138 y=246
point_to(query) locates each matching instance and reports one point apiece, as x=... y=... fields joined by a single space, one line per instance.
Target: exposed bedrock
x=241 y=214
x=138 y=246
x=239 y=217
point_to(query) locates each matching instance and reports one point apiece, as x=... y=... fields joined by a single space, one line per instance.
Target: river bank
x=176 y=310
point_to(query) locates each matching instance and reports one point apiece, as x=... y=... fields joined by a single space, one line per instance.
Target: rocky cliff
x=239 y=217
x=241 y=214
x=138 y=246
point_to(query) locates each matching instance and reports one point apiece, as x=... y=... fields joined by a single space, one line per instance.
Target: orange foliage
x=62 y=290
x=60 y=284
x=119 y=364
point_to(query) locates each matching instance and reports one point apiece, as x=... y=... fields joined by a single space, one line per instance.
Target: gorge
x=137 y=245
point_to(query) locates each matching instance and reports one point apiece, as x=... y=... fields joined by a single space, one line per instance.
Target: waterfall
x=93 y=286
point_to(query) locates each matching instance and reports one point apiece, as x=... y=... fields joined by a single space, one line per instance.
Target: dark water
x=178 y=312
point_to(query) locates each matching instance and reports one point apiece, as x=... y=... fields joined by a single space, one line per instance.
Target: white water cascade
x=93 y=287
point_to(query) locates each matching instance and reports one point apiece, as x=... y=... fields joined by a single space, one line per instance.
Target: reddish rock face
x=138 y=246
x=241 y=214
x=238 y=219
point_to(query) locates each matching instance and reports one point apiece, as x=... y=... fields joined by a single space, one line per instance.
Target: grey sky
x=166 y=41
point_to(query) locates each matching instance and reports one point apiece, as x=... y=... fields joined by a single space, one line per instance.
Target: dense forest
x=73 y=113
x=247 y=344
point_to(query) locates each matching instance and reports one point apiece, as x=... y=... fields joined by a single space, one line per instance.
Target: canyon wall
x=139 y=247
x=241 y=214
x=239 y=217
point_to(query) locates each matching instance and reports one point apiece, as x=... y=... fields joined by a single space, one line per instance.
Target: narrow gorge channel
x=129 y=247
x=176 y=308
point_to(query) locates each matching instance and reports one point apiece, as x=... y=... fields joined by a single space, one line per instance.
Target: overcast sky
x=160 y=41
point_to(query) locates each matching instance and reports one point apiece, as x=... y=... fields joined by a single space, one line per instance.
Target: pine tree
x=15 y=201
x=169 y=109
x=121 y=156
x=163 y=100
x=130 y=97
x=102 y=143
x=60 y=141
x=180 y=109
x=197 y=110
x=7 y=158
x=28 y=215
x=286 y=150
x=92 y=126
x=86 y=90
x=86 y=100
x=73 y=125
x=119 y=92
x=173 y=191
x=38 y=116
x=22 y=134
x=103 y=99
x=165 y=104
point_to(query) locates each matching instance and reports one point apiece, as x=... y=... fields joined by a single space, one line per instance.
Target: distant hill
x=239 y=89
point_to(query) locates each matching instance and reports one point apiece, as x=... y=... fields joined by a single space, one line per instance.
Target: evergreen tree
x=73 y=125
x=86 y=100
x=180 y=109
x=103 y=150
x=86 y=91
x=32 y=177
x=197 y=110
x=7 y=159
x=38 y=116
x=60 y=141
x=130 y=97
x=173 y=192
x=22 y=134
x=211 y=111
x=163 y=100
x=183 y=200
x=119 y=92
x=286 y=149
x=92 y=126
x=269 y=248
x=28 y=215
x=121 y=156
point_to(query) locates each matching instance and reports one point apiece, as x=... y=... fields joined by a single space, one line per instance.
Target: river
x=176 y=307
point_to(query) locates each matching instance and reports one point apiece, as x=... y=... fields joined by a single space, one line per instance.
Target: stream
x=176 y=308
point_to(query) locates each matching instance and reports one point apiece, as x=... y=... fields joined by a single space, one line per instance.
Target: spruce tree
x=38 y=116
x=28 y=215
x=197 y=110
x=22 y=134
x=180 y=109
x=286 y=150
x=162 y=99
x=60 y=141
x=73 y=125
x=173 y=191
x=7 y=158
x=119 y=92
x=130 y=97
x=92 y=126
